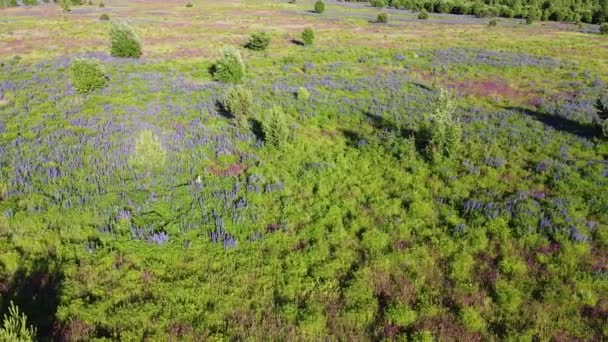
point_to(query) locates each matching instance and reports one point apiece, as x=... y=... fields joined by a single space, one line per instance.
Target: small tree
x=602 y=111
x=276 y=131
x=87 y=75
x=604 y=28
x=423 y=15
x=442 y=131
x=378 y=3
x=239 y=102
x=259 y=41
x=303 y=94
x=124 y=41
x=230 y=68
x=150 y=156
x=104 y=17
x=382 y=18
x=14 y=326
x=319 y=6
x=493 y=22
x=308 y=36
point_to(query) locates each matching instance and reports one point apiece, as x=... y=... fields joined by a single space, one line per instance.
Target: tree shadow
x=257 y=129
x=222 y=110
x=296 y=42
x=35 y=291
x=353 y=139
x=559 y=123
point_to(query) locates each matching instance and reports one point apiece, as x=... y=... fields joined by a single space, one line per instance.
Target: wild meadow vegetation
x=303 y=170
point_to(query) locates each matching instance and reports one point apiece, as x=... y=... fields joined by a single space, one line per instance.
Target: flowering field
x=145 y=210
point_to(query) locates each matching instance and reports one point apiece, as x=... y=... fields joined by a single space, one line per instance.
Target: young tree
x=442 y=131
x=124 y=41
x=239 y=102
x=276 y=131
x=308 y=36
x=230 y=68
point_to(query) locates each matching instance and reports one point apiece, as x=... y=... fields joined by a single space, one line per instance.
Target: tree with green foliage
x=15 y=328
x=104 y=17
x=443 y=133
x=87 y=75
x=276 y=131
x=493 y=22
x=604 y=28
x=229 y=68
x=149 y=156
x=319 y=6
x=303 y=94
x=423 y=15
x=308 y=36
x=65 y=5
x=602 y=111
x=382 y=18
x=239 y=102
x=124 y=41
x=259 y=41
x=378 y=3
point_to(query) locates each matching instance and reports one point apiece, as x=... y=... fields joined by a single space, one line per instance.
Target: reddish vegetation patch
x=232 y=170
x=488 y=88
x=446 y=328
x=73 y=331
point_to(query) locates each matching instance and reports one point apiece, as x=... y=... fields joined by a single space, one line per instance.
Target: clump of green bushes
x=101 y=4
x=308 y=36
x=87 y=75
x=493 y=22
x=382 y=18
x=239 y=102
x=104 y=17
x=441 y=131
x=423 y=15
x=604 y=28
x=276 y=131
x=230 y=67
x=319 y=6
x=189 y=4
x=259 y=41
x=378 y=3
x=124 y=41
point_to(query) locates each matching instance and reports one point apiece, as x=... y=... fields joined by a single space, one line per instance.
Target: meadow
x=147 y=208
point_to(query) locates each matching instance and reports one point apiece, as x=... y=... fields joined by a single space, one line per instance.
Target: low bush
x=493 y=22
x=102 y=5
x=239 y=102
x=259 y=41
x=308 y=36
x=104 y=17
x=604 y=28
x=382 y=18
x=124 y=41
x=319 y=6
x=189 y=4
x=378 y=3
x=276 y=131
x=442 y=131
x=87 y=75
x=230 y=68
x=423 y=15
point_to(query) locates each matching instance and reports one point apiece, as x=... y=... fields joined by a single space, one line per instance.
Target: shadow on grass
x=222 y=110
x=296 y=42
x=559 y=123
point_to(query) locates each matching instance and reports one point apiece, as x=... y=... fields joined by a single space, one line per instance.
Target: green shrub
x=65 y=5
x=442 y=131
x=189 y=4
x=471 y=319
x=382 y=18
x=423 y=336
x=529 y=20
x=276 y=131
x=308 y=36
x=493 y=22
x=87 y=75
x=259 y=41
x=319 y=6
x=230 y=68
x=423 y=15
x=303 y=94
x=401 y=315
x=239 y=102
x=14 y=326
x=124 y=42
x=604 y=28
x=102 y=5
x=378 y=3
x=150 y=156
x=104 y=17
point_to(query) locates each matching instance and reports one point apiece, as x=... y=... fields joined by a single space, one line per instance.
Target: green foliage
x=259 y=41
x=308 y=36
x=239 y=102
x=102 y=4
x=378 y=3
x=149 y=156
x=65 y=5
x=471 y=319
x=423 y=15
x=189 y=4
x=441 y=130
x=276 y=131
x=124 y=41
x=493 y=22
x=507 y=296
x=382 y=18
x=401 y=315
x=423 y=336
x=303 y=94
x=15 y=328
x=319 y=6
x=604 y=28
x=104 y=17
x=87 y=75
x=230 y=68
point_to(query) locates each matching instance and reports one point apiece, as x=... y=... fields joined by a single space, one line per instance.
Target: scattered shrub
x=230 y=68
x=259 y=41
x=276 y=131
x=102 y=5
x=104 y=17
x=189 y=4
x=493 y=22
x=14 y=326
x=319 y=6
x=604 y=28
x=87 y=75
x=239 y=102
x=65 y=5
x=378 y=3
x=529 y=20
x=423 y=15
x=602 y=111
x=308 y=36
x=472 y=320
x=442 y=131
x=382 y=18
x=149 y=156
x=124 y=41
x=303 y=94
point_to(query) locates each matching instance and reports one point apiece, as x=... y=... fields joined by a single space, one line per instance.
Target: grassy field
x=348 y=231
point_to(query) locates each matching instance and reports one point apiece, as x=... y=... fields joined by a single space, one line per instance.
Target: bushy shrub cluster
x=493 y=22
x=104 y=17
x=382 y=18
x=423 y=15
x=87 y=75
x=319 y=6
x=442 y=132
x=230 y=68
x=604 y=28
x=149 y=156
x=378 y=3
x=308 y=36
x=259 y=41
x=239 y=102
x=124 y=41
x=276 y=131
